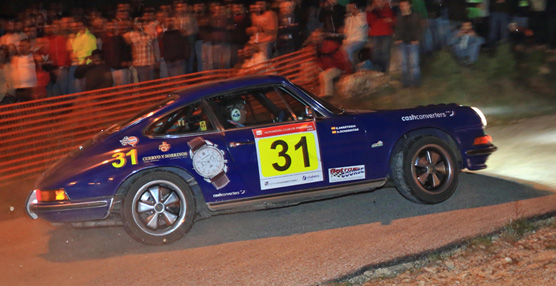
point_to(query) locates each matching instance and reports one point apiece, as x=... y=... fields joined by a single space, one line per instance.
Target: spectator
x=466 y=44
x=253 y=56
x=24 y=72
x=142 y=52
x=82 y=44
x=175 y=48
x=151 y=22
x=43 y=67
x=499 y=21
x=221 y=47
x=381 y=28
x=332 y=16
x=332 y=60
x=31 y=35
x=265 y=27
x=241 y=21
x=203 y=45
x=408 y=32
x=438 y=23
x=116 y=53
x=58 y=54
x=288 y=30
x=160 y=29
x=5 y=74
x=11 y=36
x=187 y=24
x=356 y=29
x=95 y=73
x=521 y=9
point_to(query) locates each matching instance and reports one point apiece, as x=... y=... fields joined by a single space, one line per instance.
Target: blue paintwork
x=88 y=174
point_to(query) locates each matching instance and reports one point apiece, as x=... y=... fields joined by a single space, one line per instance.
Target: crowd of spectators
x=51 y=51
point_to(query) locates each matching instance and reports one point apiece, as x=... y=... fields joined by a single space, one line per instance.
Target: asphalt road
x=301 y=245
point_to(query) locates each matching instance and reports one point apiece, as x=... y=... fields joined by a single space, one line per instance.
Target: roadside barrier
x=36 y=133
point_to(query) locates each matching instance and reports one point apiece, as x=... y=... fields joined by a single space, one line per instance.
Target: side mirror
x=309 y=112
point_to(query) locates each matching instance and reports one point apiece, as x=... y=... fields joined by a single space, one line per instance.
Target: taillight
x=52 y=195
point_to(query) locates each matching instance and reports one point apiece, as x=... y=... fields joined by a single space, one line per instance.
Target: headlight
x=481 y=115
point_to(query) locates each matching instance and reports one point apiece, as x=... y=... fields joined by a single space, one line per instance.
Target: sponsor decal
x=155 y=158
x=344 y=129
x=348 y=173
x=436 y=115
x=203 y=125
x=164 y=147
x=235 y=193
x=129 y=140
x=377 y=144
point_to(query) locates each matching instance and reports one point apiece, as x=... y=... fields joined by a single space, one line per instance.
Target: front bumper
x=67 y=211
x=476 y=159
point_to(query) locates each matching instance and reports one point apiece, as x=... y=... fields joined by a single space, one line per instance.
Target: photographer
x=97 y=75
x=466 y=44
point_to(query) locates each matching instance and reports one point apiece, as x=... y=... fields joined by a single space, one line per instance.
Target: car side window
x=189 y=119
x=251 y=107
x=297 y=107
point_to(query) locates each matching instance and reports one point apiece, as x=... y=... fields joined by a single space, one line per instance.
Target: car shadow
x=382 y=205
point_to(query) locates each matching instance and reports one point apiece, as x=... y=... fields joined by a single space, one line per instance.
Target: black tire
x=158 y=208
x=425 y=170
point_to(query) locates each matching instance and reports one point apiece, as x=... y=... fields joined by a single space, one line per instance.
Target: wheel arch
x=425 y=132
x=200 y=204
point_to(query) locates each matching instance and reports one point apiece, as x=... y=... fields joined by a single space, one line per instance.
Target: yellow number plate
x=288 y=155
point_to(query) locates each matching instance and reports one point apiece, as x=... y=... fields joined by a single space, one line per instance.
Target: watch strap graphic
x=220 y=180
x=196 y=143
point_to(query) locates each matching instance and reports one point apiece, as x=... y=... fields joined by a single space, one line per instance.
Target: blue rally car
x=253 y=143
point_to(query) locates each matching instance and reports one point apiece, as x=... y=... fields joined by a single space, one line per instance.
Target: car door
x=276 y=148
x=187 y=138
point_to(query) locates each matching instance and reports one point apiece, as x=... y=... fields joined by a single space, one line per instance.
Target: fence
x=34 y=134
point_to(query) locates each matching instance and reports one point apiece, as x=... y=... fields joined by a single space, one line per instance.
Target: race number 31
x=288 y=154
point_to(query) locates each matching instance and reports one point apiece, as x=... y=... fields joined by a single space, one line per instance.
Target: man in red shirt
x=332 y=60
x=381 y=27
x=59 y=55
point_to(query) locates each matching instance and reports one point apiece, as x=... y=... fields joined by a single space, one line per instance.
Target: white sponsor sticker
x=348 y=173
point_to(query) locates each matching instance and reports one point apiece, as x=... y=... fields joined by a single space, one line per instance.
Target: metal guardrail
x=35 y=134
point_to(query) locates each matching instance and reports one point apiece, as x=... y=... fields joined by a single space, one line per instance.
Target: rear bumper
x=72 y=211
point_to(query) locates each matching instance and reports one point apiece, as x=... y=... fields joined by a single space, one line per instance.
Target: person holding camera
x=96 y=73
x=466 y=44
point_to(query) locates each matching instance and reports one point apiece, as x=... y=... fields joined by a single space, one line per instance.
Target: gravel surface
x=508 y=258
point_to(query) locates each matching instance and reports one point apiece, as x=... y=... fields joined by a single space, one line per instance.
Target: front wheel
x=425 y=170
x=158 y=208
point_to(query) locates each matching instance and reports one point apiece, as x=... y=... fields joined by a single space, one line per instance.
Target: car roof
x=196 y=92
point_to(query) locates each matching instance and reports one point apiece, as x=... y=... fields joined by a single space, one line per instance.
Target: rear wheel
x=425 y=170
x=158 y=208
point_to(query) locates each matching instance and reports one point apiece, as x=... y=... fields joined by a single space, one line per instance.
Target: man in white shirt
x=24 y=72
x=355 y=31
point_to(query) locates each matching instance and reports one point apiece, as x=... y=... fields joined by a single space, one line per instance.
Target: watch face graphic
x=209 y=162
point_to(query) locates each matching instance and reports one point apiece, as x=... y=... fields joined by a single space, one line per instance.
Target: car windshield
x=327 y=105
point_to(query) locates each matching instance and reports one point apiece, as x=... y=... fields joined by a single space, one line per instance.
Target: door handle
x=236 y=144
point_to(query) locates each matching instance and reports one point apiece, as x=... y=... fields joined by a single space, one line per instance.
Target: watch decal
x=209 y=162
